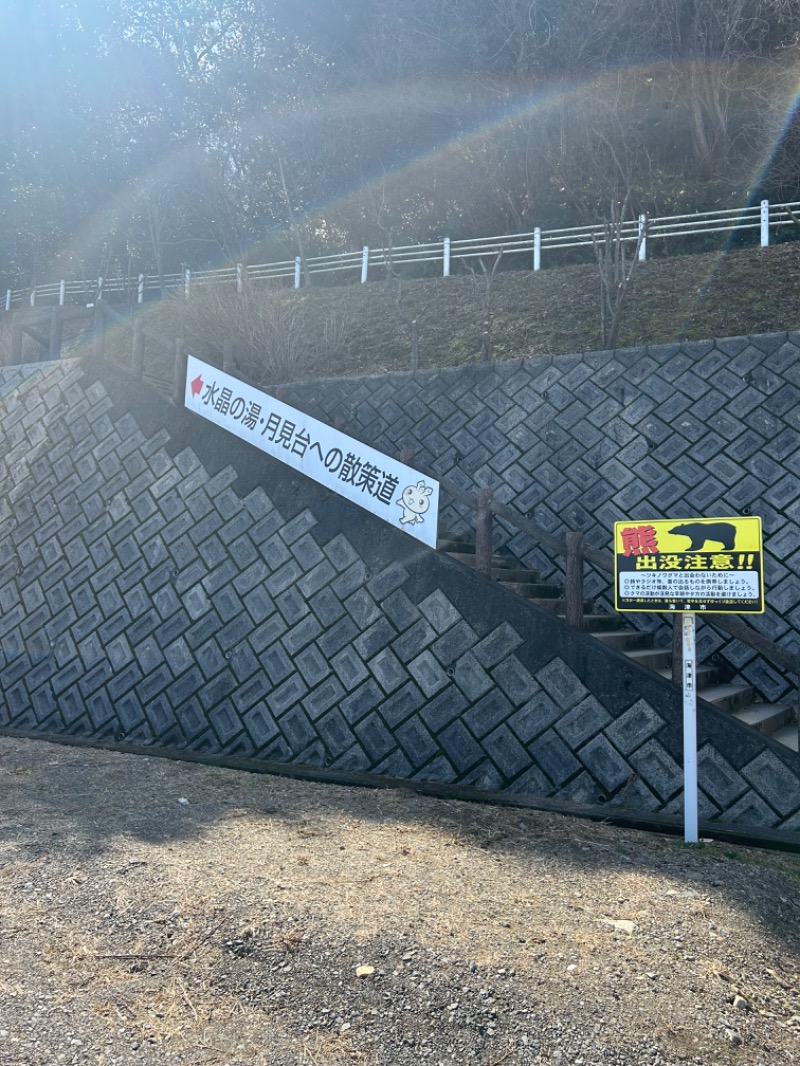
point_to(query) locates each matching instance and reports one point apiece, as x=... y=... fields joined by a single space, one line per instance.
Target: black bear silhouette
x=723 y=533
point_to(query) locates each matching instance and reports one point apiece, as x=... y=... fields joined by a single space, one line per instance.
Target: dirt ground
x=160 y=912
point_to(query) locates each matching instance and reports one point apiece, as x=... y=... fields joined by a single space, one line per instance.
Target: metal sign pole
x=689 y=730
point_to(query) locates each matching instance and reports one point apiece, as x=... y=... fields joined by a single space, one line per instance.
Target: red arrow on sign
x=197 y=385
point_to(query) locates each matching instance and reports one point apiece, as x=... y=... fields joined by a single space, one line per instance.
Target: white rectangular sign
x=392 y=491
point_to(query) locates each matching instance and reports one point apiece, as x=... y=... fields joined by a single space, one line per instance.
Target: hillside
x=357 y=329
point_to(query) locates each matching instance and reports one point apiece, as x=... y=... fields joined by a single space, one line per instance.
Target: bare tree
x=411 y=322
x=483 y=290
x=615 y=267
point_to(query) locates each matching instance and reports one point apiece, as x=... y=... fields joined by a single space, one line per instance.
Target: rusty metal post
x=573 y=587
x=677 y=649
x=137 y=356
x=483 y=532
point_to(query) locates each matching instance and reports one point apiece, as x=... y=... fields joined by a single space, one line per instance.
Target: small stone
x=733 y=1037
x=740 y=1003
x=365 y=971
x=572 y=968
x=345 y=1027
x=183 y=801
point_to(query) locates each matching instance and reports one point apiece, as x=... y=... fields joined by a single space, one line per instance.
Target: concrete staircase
x=740 y=700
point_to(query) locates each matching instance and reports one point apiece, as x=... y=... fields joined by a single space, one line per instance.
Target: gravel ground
x=159 y=912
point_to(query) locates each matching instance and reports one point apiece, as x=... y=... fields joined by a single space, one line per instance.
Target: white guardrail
x=533 y=245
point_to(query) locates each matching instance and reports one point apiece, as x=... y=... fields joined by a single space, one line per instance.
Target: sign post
x=689 y=729
x=689 y=567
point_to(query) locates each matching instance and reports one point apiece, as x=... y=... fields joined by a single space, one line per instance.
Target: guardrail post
x=537 y=248
x=33 y=296
x=297 y=266
x=642 y=238
x=140 y=291
x=483 y=532
x=573 y=586
x=62 y=293
x=239 y=280
x=181 y=359
x=764 y=223
x=187 y=281
x=364 y=264
x=137 y=356
x=99 y=289
x=8 y=299
x=677 y=649
x=446 y=257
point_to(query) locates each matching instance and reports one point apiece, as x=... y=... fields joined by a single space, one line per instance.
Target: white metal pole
x=62 y=293
x=642 y=238
x=364 y=263
x=239 y=278
x=689 y=729
x=764 y=223
x=140 y=293
x=8 y=299
x=99 y=288
x=297 y=272
x=33 y=296
x=446 y=258
x=187 y=280
x=537 y=248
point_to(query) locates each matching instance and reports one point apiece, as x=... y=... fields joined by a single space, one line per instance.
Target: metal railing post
x=483 y=532
x=642 y=238
x=537 y=248
x=187 y=281
x=297 y=269
x=764 y=223
x=573 y=586
x=239 y=281
x=140 y=290
x=8 y=299
x=62 y=293
x=446 y=257
x=364 y=264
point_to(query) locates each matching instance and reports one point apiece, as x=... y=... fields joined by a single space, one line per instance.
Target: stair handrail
x=572 y=544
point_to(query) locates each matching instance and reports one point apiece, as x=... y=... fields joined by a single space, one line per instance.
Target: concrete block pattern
x=150 y=601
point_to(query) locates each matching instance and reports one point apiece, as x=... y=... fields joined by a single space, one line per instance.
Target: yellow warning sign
x=714 y=565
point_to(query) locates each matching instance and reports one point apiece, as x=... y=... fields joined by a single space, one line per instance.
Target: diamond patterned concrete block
x=506 y=753
x=637 y=725
x=751 y=810
x=428 y=674
x=497 y=645
x=459 y=746
x=582 y=722
x=441 y=614
x=554 y=758
x=657 y=769
x=562 y=684
x=605 y=764
x=772 y=780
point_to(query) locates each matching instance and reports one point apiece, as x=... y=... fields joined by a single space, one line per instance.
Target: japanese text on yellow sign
x=713 y=565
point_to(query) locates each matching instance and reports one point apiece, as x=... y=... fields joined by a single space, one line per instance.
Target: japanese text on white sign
x=392 y=491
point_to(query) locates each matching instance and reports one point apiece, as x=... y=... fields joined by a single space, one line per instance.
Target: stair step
x=555 y=605
x=532 y=590
x=706 y=677
x=624 y=639
x=787 y=735
x=655 y=658
x=766 y=717
x=729 y=697
x=595 y=624
x=522 y=576
x=498 y=562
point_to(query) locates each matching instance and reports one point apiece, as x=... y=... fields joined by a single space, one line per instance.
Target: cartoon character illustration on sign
x=723 y=533
x=415 y=501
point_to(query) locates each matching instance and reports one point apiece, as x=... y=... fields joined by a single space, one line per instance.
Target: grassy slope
x=554 y=311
